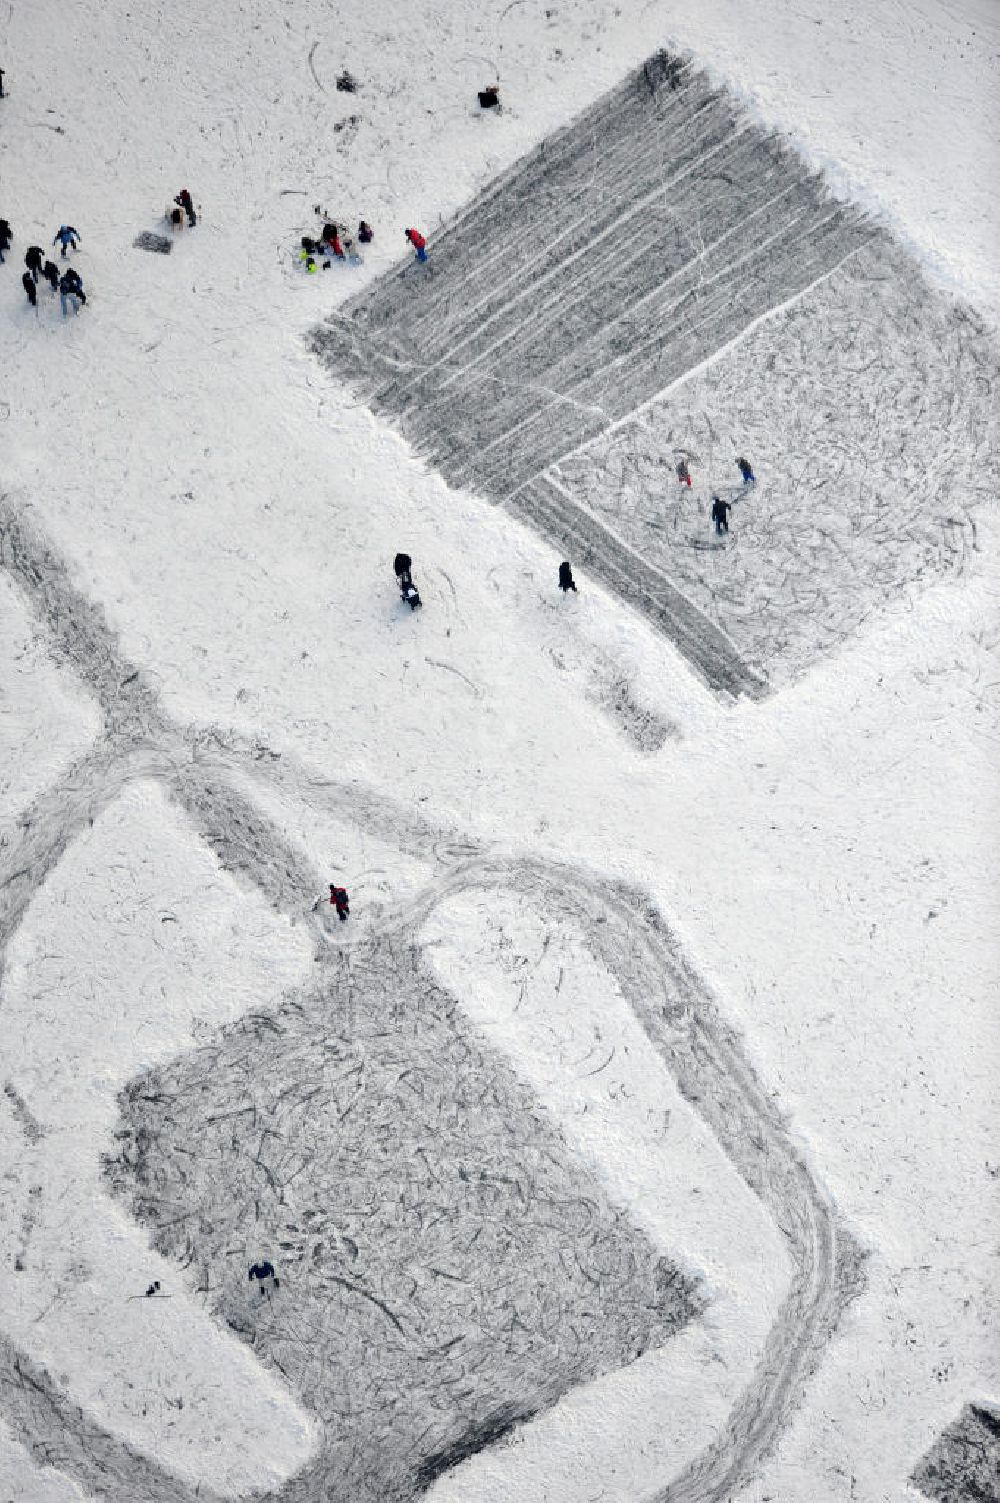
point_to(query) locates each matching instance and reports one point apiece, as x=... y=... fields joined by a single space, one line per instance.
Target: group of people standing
x=68 y=283
x=335 y=243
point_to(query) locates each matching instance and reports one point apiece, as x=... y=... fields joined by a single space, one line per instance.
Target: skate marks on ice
x=963 y=1465
x=449 y=1267
x=624 y=252
x=663 y=244
x=870 y=407
x=367 y=977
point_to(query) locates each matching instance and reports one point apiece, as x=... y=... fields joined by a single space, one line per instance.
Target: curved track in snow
x=679 y=1015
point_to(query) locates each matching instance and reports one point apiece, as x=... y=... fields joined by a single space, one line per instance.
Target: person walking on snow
x=401 y=566
x=28 y=283
x=71 y=289
x=33 y=258
x=340 y=901
x=566 y=581
x=683 y=473
x=67 y=237
x=720 y=514
x=184 y=199
x=365 y=232
x=418 y=242
x=749 y=478
x=6 y=235
x=50 y=272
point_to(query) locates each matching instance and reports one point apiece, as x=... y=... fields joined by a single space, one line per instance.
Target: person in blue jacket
x=67 y=237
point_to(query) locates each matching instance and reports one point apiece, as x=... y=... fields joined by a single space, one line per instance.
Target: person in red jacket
x=418 y=242
x=339 y=900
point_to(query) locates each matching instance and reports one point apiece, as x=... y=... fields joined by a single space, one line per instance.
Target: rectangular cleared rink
x=663 y=279
x=621 y=254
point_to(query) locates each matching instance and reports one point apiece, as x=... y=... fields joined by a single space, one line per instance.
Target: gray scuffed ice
x=664 y=244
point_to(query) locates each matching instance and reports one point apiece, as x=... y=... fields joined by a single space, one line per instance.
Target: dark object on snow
x=6 y=235
x=347 y=83
x=151 y=242
x=489 y=98
x=402 y=564
x=365 y=232
x=154 y=1288
x=1 y=83
x=720 y=514
x=50 y=272
x=743 y=465
x=184 y=199
x=28 y=283
x=566 y=581
x=340 y=901
x=309 y=245
x=410 y=595
x=683 y=473
x=34 y=258
x=176 y=218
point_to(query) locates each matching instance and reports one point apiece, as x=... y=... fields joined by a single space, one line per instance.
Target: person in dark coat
x=720 y=514
x=265 y=1277
x=184 y=199
x=71 y=289
x=402 y=564
x=33 y=259
x=340 y=901
x=6 y=235
x=683 y=473
x=365 y=232
x=28 y=283
x=566 y=581
x=50 y=272
x=1 y=83
x=743 y=465
x=418 y=242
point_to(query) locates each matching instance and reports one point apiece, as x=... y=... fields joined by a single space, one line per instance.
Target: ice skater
x=720 y=514
x=566 y=580
x=266 y=1278
x=683 y=473
x=28 y=283
x=67 y=237
x=34 y=258
x=418 y=242
x=187 y=204
x=749 y=478
x=340 y=901
x=6 y=235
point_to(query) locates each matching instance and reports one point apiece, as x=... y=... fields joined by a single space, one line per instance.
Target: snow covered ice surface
x=733 y=949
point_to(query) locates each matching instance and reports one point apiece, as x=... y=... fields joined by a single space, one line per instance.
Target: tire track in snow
x=703 y=1053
